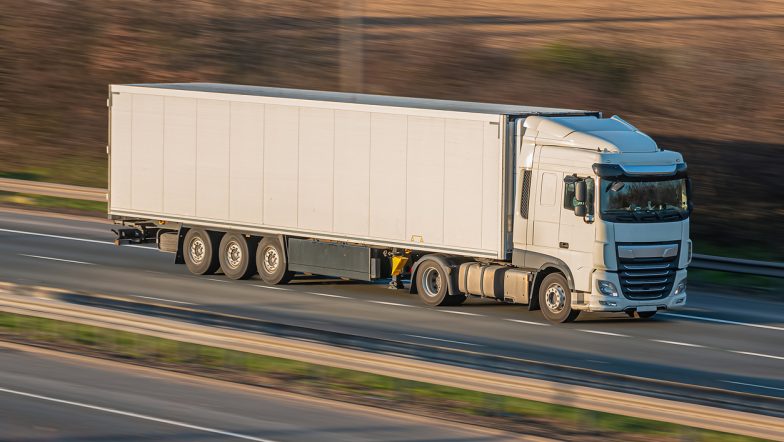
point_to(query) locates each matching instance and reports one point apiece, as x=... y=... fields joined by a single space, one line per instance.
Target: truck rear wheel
x=200 y=252
x=237 y=256
x=271 y=262
x=433 y=287
x=555 y=299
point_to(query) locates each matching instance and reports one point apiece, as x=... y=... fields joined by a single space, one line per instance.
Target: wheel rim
x=271 y=260
x=431 y=282
x=197 y=250
x=555 y=298
x=234 y=255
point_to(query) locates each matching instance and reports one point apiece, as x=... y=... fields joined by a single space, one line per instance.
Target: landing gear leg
x=396 y=283
x=398 y=263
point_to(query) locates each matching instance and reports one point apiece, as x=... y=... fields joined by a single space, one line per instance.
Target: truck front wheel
x=271 y=262
x=200 y=252
x=555 y=299
x=238 y=256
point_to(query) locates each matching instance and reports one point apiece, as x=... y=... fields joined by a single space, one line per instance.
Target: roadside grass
x=495 y=411
x=738 y=251
x=78 y=170
x=55 y=204
x=736 y=281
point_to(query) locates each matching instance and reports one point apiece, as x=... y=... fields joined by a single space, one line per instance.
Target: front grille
x=647 y=278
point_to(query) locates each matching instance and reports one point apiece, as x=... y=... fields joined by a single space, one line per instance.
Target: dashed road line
x=70 y=238
x=443 y=340
x=327 y=295
x=684 y=344
x=57 y=259
x=723 y=321
x=164 y=299
x=215 y=280
x=456 y=312
x=598 y=332
x=762 y=355
x=392 y=303
x=271 y=287
x=528 y=322
x=754 y=385
x=135 y=415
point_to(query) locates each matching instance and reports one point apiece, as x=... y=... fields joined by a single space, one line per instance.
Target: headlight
x=681 y=287
x=606 y=288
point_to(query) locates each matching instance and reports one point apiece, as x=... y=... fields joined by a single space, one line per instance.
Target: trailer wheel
x=237 y=256
x=555 y=299
x=433 y=287
x=271 y=262
x=200 y=251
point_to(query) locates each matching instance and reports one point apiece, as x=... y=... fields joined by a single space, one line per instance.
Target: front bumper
x=598 y=302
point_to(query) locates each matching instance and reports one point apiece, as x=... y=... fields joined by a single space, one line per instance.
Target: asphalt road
x=730 y=342
x=44 y=397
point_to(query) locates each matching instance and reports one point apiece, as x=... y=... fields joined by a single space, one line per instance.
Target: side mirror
x=580 y=191
x=580 y=211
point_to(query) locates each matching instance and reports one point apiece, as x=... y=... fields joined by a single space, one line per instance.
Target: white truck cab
x=602 y=204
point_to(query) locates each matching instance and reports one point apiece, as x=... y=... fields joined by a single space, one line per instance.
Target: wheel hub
x=197 y=250
x=271 y=260
x=432 y=282
x=234 y=255
x=555 y=298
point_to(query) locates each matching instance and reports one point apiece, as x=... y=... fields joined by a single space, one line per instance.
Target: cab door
x=576 y=236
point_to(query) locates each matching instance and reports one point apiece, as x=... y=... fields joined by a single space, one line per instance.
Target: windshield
x=644 y=201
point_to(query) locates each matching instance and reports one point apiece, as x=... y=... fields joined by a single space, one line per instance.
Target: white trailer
x=277 y=181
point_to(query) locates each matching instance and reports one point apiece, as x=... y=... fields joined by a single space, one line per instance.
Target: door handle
x=563 y=245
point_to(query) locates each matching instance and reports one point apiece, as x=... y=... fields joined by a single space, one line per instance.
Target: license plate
x=646 y=308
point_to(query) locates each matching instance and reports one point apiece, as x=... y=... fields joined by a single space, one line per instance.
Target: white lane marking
x=392 y=303
x=57 y=259
x=754 y=385
x=327 y=295
x=163 y=299
x=216 y=280
x=443 y=340
x=604 y=333
x=69 y=238
x=270 y=287
x=685 y=344
x=136 y=415
x=455 y=312
x=762 y=355
x=724 y=321
x=597 y=361
x=528 y=322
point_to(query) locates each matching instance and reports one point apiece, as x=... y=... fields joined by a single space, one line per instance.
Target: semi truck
x=558 y=209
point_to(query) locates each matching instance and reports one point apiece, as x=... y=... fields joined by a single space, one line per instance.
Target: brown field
x=702 y=77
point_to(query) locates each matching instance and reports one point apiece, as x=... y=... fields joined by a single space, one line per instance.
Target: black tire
x=237 y=256
x=271 y=262
x=200 y=251
x=645 y=315
x=433 y=287
x=559 y=308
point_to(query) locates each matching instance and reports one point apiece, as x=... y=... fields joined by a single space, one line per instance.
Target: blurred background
x=705 y=78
